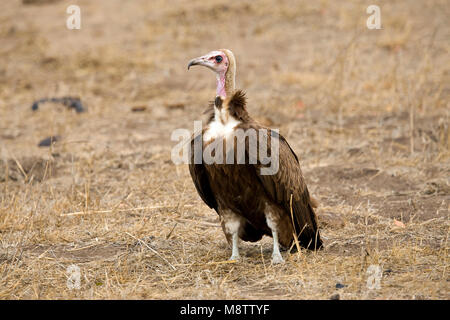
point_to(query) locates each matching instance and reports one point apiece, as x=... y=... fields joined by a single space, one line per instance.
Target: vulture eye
x=219 y=59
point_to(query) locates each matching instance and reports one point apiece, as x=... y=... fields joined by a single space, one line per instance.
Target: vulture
x=250 y=204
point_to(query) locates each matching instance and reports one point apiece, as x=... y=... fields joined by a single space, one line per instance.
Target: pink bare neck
x=221 y=80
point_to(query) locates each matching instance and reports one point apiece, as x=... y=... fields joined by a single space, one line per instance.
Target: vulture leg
x=276 y=255
x=273 y=225
x=235 y=248
x=230 y=225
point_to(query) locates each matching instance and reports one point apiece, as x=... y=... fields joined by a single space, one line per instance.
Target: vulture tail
x=306 y=227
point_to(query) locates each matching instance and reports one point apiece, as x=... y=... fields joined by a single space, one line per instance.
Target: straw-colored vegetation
x=367 y=111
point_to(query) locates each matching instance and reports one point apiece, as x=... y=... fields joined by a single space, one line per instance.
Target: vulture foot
x=234 y=257
x=277 y=259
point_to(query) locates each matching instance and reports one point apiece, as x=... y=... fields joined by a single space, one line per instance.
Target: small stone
x=340 y=285
x=139 y=108
x=47 y=142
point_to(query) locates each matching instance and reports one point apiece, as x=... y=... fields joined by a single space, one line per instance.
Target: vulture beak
x=201 y=61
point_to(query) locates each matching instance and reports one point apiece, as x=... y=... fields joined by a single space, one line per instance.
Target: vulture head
x=223 y=63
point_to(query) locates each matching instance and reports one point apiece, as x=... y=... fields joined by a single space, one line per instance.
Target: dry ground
x=367 y=111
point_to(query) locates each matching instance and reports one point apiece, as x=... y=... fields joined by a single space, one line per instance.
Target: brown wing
x=247 y=231
x=200 y=177
x=287 y=181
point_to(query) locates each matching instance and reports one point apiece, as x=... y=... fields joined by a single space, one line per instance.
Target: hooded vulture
x=250 y=204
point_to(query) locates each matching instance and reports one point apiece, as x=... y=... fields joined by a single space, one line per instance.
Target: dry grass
x=367 y=111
